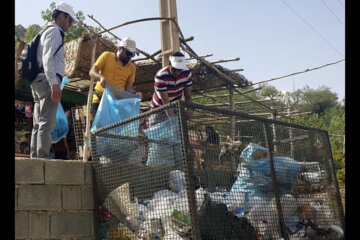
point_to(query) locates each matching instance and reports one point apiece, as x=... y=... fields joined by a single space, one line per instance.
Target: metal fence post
x=275 y=185
x=189 y=172
x=93 y=147
x=338 y=196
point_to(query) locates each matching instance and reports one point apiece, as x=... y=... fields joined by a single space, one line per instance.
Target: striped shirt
x=49 y=42
x=164 y=81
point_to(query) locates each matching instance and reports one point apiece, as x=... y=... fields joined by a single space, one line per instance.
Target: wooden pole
x=170 y=41
x=232 y=108
x=273 y=116
x=225 y=60
x=232 y=125
x=108 y=30
x=274 y=182
x=89 y=100
x=159 y=51
x=287 y=98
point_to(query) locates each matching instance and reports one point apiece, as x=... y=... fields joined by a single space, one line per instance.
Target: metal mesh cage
x=79 y=126
x=207 y=173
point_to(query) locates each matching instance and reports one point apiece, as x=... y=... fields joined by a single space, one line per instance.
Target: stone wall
x=54 y=199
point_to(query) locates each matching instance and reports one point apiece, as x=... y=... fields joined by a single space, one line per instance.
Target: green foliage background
x=326 y=112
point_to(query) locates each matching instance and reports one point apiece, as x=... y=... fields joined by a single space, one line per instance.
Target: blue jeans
x=44 y=117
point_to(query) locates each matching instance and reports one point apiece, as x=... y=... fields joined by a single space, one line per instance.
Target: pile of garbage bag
x=247 y=210
x=167 y=214
x=160 y=154
x=116 y=105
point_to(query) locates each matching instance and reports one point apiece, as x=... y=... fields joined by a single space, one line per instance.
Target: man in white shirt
x=45 y=88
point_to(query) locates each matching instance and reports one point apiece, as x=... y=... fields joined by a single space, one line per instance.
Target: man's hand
x=189 y=113
x=102 y=81
x=139 y=94
x=56 y=93
x=169 y=112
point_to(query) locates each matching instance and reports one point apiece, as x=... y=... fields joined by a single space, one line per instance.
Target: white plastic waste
x=288 y=203
x=171 y=235
x=160 y=207
x=181 y=202
x=118 y=202
x=320 y=214
x=177 y=181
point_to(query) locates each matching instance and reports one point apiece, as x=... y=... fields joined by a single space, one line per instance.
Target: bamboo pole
x=159 y=51
x=273 y=116
x=89 y=100
x=292 y=74
x=187 y=49
x=232 y=108
x=235 y=103
x=205 y=56
x=287 y=97
x=225 y=95
x=225 y=60
x=108 y=30
x=223 y=76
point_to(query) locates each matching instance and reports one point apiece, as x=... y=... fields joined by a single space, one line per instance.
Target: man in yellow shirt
x=115 y=70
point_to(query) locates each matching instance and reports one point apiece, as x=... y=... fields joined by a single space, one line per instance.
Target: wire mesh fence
x=78 y=115
x=206 y=173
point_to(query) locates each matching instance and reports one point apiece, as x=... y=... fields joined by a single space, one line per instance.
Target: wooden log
x=225 y=60
x=89 y=101
x=108 y=30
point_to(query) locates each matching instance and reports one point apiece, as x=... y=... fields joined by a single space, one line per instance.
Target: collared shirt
x=50 y=41
x=164 y=81
x=114 y=71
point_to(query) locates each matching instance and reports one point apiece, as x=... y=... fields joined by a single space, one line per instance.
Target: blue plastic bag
x=62 y=126
x=165 y=154
x=255 y=176
x=116 y=105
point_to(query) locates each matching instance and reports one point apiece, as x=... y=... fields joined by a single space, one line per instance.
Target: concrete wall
x=54 y=199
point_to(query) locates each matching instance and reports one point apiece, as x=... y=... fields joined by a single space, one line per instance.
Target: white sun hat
x=66 y=8
x=129 y=44
x=178 y=62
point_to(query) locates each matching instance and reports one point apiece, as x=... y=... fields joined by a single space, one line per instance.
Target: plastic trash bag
x=255 y=175
x=162 y=154
x=116 y=105
x=62 y=125
x=177 y=181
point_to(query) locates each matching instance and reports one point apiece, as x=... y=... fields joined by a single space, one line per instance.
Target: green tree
x=317 y=101
x=76 y=30
x=339 y=161
x=30 y=33
x=270 y=92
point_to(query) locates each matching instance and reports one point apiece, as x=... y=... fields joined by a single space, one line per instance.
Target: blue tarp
x=164 y=154
x=116 y=105
x=62 y=125
x=255 y=176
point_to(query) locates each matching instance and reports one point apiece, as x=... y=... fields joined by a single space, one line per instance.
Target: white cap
x=129 y=44
x=66 y=8
x=178 y=62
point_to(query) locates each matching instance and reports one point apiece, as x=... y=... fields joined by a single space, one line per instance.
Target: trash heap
x=247 y=210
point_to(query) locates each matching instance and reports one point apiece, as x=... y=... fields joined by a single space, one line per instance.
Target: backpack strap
x=62 y=42
x=41 y=69
x=62 y=37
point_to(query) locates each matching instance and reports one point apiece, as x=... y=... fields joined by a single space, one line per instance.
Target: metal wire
x=79 y=125
x=215 y=174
